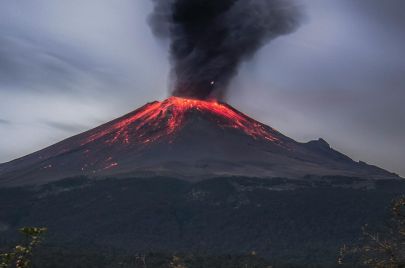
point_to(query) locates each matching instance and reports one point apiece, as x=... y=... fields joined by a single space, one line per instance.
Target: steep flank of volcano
x=185 y=138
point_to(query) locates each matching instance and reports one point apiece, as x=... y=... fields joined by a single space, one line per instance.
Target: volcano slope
x=184 y=138
x=195 y=176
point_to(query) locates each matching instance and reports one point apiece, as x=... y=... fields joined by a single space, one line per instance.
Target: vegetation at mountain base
x=384 y=249
x=51 y=257
x=217 y=222
x=20 y=256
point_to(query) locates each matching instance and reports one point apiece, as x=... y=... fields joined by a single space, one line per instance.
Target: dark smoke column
x=210 y=38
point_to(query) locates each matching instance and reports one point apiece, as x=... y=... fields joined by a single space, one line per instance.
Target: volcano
x=183 y=138
x=185 y=175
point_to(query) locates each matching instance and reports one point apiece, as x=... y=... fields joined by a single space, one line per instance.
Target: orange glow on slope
x=159 y=119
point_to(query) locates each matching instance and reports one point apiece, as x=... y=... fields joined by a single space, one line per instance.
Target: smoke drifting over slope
x=210 y=38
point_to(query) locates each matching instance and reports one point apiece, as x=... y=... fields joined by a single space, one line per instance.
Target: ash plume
x=210 y=38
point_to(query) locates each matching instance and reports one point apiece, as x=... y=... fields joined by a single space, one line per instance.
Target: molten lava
x=164 y=119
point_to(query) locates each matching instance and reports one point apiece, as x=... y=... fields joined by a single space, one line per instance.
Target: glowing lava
x=163 y=119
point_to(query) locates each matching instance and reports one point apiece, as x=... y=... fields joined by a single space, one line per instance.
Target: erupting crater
x=164 y=119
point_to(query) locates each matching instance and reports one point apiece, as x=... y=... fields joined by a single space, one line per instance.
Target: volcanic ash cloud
x=210 y=38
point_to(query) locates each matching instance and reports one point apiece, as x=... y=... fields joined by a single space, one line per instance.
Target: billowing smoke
x=210 y=38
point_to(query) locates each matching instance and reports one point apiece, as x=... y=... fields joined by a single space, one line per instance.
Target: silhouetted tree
x=20 y=256
x=386 y=250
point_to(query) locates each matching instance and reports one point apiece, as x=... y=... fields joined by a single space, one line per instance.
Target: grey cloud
x=387 y=13
x=26 y=64
x=5 y=122
x=66 y=127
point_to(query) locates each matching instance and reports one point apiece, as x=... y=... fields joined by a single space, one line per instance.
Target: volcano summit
x=183 y=138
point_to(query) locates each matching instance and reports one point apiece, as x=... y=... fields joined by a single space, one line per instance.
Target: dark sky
x=68 y=66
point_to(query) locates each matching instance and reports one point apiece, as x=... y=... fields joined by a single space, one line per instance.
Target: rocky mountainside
x=183 y=138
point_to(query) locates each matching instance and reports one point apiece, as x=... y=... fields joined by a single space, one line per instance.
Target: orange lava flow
x=145 y=124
